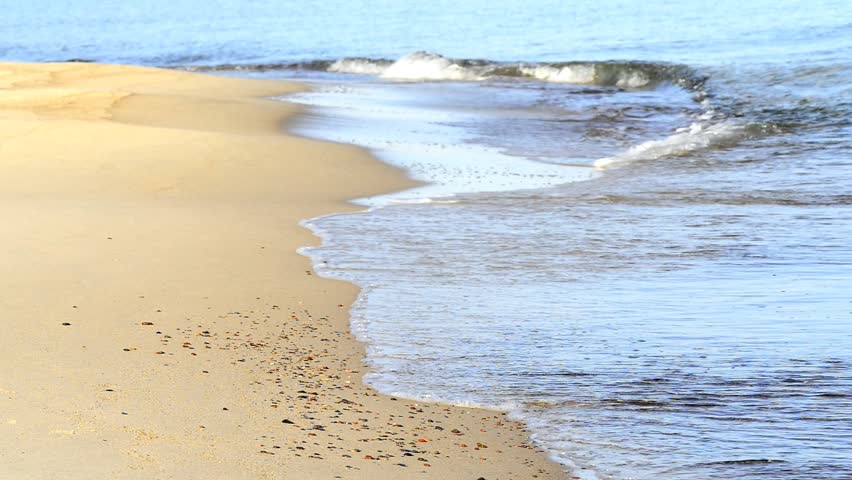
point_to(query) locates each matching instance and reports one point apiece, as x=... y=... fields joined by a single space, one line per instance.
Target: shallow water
x=685 y=316
x=682 y=311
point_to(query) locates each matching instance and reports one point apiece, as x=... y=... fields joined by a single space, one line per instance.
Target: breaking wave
x=360 y=66
x=696 y=137
x=425 y=66
x=718 y=127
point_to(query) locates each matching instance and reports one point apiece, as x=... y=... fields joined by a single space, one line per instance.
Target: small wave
x=581 y=74
x=698 y=136
x=360 y=66
x=429 y=66
x=630 y=75
x=426 y=66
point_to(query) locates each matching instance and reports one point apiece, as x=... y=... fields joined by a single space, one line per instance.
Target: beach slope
x=156 y=321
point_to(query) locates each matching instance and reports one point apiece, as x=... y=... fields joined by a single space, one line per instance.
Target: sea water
x=636 y=231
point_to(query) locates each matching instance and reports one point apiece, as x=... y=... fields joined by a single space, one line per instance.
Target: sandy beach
x=157 y=321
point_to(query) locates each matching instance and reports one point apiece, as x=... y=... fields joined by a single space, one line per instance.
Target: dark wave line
x=627 y=74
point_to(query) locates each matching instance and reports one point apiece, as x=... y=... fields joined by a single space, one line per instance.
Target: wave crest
x=360 y=66
x=698 y=136
x=426 y=66
x=430 y=66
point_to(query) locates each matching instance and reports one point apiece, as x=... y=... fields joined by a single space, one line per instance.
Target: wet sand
x=157 y=321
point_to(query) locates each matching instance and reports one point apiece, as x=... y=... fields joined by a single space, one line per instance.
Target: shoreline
x=153 y=212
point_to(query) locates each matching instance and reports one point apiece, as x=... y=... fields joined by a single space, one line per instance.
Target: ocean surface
x=636 y=233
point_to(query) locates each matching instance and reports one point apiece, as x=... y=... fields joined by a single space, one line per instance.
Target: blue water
x=636 y=233
x=180 y=32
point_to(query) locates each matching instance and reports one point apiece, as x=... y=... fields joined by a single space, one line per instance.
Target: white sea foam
x=581 y=74
x=585 y=74
x=685 y=140
x=633 y=80
x=425 y=144
x=429 y=66
x=361 y=66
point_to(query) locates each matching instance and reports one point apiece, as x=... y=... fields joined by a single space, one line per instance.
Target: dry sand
x=155 y=320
